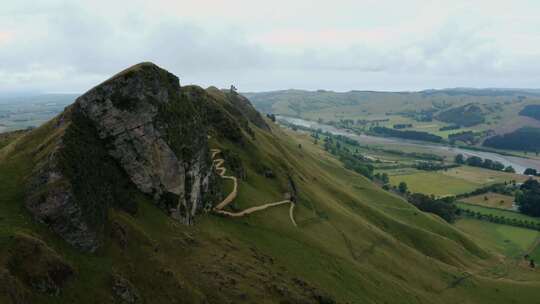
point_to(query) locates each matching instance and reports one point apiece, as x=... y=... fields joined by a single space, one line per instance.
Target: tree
x=510 y=169
x=402 y=187
x=497 y=166
x=530 y=171
x=488 y=163
x=528 y=199
x=475 y=161
x=271 y=116
x=385 y=179
x=444 y=207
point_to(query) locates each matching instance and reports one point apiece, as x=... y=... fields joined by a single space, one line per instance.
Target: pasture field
x=494 y=200
x=433 y=182
x=481 y=176
x=498 y=212
x=508 y=240
x=450 y=182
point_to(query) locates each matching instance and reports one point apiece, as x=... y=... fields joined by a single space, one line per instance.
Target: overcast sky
x=69 y=46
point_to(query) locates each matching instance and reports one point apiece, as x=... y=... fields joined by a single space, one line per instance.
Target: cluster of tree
x=531 y=171
x=364 y=122
x=506 y=188
x=465 y=136
x=271 y=116
x=450 y=127
x=433 y=166
x=528 y=198
x=532 y=111
x=523 y=139
x=443 y=207
x=424 y=156
x=349 y=123
x=499 y=219
x=346 y=140
x=342 y=123
x=382 y=177
x=357 y=165
x=475 y=161
x=400 y=189
x=467 y=115
x=408 y=134
x=338 y=145
x=403 y=188
x=424 y=115
x=402 y=126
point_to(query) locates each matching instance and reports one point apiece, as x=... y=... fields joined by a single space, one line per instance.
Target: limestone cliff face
x=137 y=130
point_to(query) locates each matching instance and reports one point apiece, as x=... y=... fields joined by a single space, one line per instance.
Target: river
x=518 y=163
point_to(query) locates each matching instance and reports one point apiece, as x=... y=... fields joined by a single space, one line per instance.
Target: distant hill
x=467 y=115
x=302 y=100
x=439 y=112
x=532 y=111
x=523 y=139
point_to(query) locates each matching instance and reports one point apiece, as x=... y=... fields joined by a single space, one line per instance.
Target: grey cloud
x=77 y=44
x=66 y=46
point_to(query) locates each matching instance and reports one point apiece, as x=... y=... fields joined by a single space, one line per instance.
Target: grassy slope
x=439 y=183
x=451 y=182
x=354 y=241
x=512 y=241
x=495 y=200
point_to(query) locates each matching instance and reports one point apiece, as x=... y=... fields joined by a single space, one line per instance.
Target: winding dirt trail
x=221 y=170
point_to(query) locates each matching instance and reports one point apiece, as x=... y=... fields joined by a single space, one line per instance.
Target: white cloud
x=57 y=45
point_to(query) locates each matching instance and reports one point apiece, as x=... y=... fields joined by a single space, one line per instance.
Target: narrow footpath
x=221 y=170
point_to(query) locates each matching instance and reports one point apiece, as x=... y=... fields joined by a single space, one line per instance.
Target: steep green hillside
x=353 y=243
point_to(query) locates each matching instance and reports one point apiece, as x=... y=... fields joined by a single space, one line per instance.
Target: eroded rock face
x=50 y=198
x=160 y=154
x=138 y=126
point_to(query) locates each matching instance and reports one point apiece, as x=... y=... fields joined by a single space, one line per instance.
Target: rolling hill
x=114 y=201
x=486 y=112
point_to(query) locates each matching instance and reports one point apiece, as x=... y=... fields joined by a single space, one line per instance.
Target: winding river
x=518 y=163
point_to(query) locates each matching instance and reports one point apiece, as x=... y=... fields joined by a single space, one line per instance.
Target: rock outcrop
x=156 y=133
x=138 y=131
x=123 y=290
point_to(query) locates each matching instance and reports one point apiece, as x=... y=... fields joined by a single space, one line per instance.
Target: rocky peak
x=139 y=127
